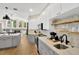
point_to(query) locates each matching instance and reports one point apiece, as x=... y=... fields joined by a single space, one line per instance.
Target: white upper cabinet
x=68 y=6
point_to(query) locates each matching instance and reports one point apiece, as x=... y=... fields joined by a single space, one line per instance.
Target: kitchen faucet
x=62 y=40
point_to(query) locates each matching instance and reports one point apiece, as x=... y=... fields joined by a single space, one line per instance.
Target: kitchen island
x=9 y=40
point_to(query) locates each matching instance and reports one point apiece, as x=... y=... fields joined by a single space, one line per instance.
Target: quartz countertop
x=42 y=31
x=68 y=51
x=9 y=34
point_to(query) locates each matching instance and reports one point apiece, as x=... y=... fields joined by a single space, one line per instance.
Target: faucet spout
x=62 y=38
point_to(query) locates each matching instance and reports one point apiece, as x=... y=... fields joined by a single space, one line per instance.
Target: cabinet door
x=2 y=43
x=42 y=48
x=16 y=40
x=51 y=52
x=45 y=50
x=31 y=38
x=5 y=42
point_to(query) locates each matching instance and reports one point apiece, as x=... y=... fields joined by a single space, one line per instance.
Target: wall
x=33 y=23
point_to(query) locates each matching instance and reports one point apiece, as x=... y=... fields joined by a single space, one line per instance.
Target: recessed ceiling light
x=15 y=9
x=6 y=7
x=31 y=10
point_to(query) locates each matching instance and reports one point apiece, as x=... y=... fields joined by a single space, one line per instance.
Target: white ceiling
x=23 y=8
x=70 y=14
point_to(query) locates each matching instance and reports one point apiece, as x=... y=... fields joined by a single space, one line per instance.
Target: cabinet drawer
x=31 y=38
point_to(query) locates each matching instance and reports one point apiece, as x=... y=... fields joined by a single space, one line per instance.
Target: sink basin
x=60 y=46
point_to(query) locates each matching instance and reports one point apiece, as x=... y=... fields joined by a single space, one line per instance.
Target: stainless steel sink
x=60 y=46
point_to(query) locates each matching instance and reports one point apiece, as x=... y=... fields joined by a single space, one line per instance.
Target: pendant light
x=6 y=17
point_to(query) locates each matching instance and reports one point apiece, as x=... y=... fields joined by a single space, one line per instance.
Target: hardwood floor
x=24 y=48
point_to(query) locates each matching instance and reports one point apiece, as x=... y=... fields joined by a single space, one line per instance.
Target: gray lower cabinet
x=45 y=50
x=31 y=38
x=16 y=40
x=5 y=42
